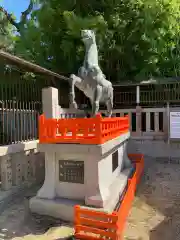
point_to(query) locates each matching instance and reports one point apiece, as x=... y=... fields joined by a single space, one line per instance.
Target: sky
x=15 y=6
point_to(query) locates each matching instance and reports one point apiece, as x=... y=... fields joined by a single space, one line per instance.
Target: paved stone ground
x=155 y=214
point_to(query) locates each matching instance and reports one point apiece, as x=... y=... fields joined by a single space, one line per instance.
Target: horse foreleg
x=97 y=97
x=72 y=95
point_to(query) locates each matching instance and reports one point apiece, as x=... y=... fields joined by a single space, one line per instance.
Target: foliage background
x=136 y=39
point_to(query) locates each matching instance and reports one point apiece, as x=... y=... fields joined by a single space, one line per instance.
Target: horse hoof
x=74 y=105
x=72 y=76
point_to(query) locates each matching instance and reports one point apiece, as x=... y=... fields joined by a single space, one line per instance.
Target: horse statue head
x=88 y=36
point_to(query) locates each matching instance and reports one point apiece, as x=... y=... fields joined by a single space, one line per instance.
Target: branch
x=27 y=12
x=10 y=18
x=23 y=16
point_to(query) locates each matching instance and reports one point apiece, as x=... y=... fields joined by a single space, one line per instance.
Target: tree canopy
x=136 y=39
x=6 y=33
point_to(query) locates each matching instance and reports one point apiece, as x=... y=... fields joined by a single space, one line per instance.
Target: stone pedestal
x=90 y=175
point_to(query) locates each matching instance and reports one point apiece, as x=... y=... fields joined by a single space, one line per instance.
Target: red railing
x=91 y=224
x=126 y=203
x=95 y=130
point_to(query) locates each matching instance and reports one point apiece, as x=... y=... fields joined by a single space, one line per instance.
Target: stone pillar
x=156 y=121
x=138 y=121
x=51 y=109
x=50 y=102
x=48 y=189
x=6 y=172
x=138 y=112
x=165 y=124
x=93 y=194
x=98 y=182
x=148 y=122
x=137 y=95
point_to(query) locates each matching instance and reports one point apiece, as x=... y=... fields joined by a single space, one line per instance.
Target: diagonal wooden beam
x=31 y=67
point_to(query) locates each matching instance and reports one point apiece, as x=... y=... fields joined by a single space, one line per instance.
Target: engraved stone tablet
x=71 y=171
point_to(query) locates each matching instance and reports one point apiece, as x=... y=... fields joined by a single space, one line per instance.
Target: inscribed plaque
x=71 y=171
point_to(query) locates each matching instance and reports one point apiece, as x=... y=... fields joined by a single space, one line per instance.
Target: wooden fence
x=146 y=123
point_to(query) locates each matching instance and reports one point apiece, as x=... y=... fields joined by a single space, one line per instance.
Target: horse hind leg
x=96 y=100
x=109 y=102
x=109 y=105
x=95 y=108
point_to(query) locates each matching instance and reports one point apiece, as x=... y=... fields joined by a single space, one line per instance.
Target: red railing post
x=76 y=218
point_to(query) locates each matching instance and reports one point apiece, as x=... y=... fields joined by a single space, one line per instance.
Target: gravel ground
x=17 y=223
x=155 y=213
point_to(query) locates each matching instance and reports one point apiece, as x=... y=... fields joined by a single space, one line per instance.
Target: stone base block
x=63 y=208
x=57 y=208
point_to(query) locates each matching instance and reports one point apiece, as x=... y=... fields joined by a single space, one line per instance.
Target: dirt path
x=155 y=214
